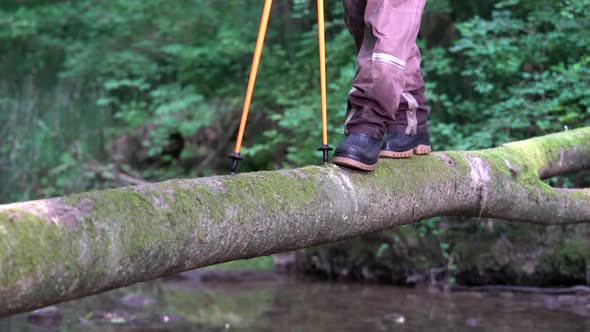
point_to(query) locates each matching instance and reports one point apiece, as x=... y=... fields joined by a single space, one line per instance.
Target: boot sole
x=419 y=150
x=347 y=162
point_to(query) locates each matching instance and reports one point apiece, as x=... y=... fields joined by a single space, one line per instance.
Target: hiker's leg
x=408 y=133
x=412 y=99
x=391 y=28
x=354 y=17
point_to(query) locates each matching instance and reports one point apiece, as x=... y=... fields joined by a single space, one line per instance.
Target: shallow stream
x=269 y=303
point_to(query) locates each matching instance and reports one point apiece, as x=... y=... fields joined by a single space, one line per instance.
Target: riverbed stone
x=48 y=317
x=136 y=301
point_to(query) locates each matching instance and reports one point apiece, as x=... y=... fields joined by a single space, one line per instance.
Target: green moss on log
x=33 y=248
x=277 y=191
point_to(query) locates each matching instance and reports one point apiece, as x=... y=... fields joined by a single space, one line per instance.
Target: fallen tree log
x=58 y=249
x=523 y=289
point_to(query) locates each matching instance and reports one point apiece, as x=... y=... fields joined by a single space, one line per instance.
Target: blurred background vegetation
x=97 y=94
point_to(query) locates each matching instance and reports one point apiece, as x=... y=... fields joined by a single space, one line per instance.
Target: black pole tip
x=235 y=157
x=326 y=151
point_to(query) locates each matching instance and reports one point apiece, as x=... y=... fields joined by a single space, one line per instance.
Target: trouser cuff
x=401 y=128
x=368 y=130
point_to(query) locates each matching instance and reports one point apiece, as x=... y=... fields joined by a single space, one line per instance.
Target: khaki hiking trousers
x=387 y=92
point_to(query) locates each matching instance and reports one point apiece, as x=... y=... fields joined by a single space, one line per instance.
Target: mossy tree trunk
x=59 y=249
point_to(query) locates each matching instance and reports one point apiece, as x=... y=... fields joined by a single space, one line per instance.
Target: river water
x=269 y=303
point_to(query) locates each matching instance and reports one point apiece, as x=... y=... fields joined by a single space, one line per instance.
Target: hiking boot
x=358 y=151
x=401 y=145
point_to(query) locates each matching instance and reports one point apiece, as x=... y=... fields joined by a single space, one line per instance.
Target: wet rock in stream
x=49 y=317
x=471 y=322
x=136 y=301
x=109 y=317
x=171 y=318
x=390 y=321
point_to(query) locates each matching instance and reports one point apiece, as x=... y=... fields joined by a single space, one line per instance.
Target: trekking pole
x=235 y=156
x=322 y=47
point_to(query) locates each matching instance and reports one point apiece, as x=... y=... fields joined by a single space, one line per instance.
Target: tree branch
x=59 y=249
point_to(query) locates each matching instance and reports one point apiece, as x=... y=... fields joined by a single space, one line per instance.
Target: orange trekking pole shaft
x=251 y=82
x=322 y=47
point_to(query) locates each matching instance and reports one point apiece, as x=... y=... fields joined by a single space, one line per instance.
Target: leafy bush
x=79 y=75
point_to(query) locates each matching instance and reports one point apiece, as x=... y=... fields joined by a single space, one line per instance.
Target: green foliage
x=571 y=257
x=78 y=75
x=523 y=72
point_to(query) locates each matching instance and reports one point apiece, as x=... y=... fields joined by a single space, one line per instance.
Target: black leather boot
x=401 y=145
x=358 y=151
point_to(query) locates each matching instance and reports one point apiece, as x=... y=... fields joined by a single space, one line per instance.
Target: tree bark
x=58 y=249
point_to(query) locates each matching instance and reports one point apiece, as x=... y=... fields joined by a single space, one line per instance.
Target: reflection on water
x=276 y=304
